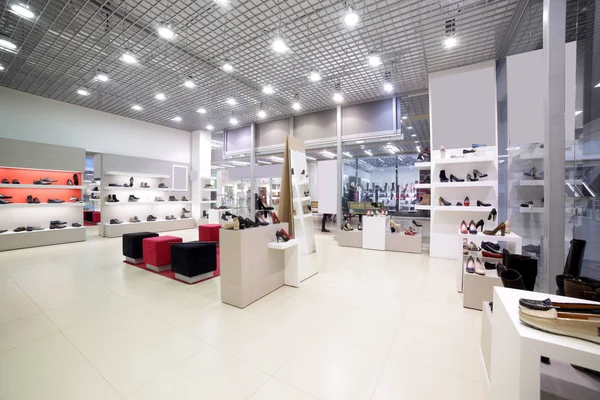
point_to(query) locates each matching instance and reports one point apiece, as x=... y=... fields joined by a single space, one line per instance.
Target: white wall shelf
x=140 y=189
x=464 y=209
x=423 y=186
x=509 y=237
x=21 y=240
x=465 y=184
x=532 y=210
x=423 y=165
x=131 y=203
x=466 y=160
x=208 y=202
x=21 y=186
x=137 y=174
x=208 y=190
x=160 y=225
x=283 y=245
x=424 y=208
x=529 y=182
x=65 y=204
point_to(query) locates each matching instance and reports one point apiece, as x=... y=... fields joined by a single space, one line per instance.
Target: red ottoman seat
x=209 y=232
x=157 y=252
x=96 y=217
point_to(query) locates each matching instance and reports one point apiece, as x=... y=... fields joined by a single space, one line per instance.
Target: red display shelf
x=26 y=176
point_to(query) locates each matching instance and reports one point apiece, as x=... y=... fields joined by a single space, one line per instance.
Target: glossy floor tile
x=78 y=323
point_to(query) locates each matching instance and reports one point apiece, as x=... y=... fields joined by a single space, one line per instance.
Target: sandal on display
x=394 y=225
x=464 y=229
x=478 y=174
x=444 y=202
x=410 y=231
x=501 y=228
x=443 y=177
x=458 y=203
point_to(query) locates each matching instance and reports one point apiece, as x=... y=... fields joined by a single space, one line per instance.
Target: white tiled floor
x=78 y=323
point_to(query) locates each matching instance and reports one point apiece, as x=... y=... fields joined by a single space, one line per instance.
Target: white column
x=201 y=161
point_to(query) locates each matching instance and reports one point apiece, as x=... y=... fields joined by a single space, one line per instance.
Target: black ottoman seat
x=132 y=246
x=193 y=261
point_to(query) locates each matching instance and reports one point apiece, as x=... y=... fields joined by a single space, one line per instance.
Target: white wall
x=37 y=119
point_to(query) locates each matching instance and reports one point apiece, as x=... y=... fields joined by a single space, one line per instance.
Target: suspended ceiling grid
x=71 y=40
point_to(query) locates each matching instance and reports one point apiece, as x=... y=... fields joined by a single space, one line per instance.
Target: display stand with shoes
x=27 y=207
x=141 y=202
x=208 y=192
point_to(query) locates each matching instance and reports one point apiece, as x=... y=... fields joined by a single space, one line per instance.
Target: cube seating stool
x=96 y=217
x=209 y=233
x=193 y=261
x=132 y=246
x=157 y=252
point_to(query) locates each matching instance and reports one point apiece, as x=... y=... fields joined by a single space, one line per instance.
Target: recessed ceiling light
x=201 y=110
x=404 y=117
x=279 y=46
x=227 y=66
x=374 y=60
x=7 y=44
x=136 y=107
x=2 y=67
x=189 y=84
x=82 y=92
x=347 y=154
x=222 y=3
x=276 y=159
x=578 y=112
x=314 y=76
x=368 y=152
x=268 y=89
x=129 y=58
x=296 y=105
x=166 y=32
x=409 y=127
x=338 y=98
x=416 y=141
x=160 y=96
x=233 y=121
x=261 y=114
x=414 y=135
x=231 y=101
x=351 y=18
x=388 y=87
x=22 y=10
x=210 y=127
x=450 y=42
x=360 y=141
x=176 y=119
x=101 y=77
x=597 y=86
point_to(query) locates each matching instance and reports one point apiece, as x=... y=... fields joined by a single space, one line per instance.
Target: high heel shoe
x=280 y=237
x=470 y=265
x=478 y=174
x=410 y=231
x=426 y=179
x=472 y=228
x=455 y=179
x=479 y=270
x=395 y=225
x=251 y=224
x=471 y=179
x=275 y=218
x=443 y=177
x=444 y=202
x=425 y=199
x=442 y=152
x=492 y=215
x=285 y=234
x=479 y=224
x=259 y=219
x=501 y=228
x=464 y=229
x=235 y=225
x=415 y=223
x=467 y=203
x=482 y=204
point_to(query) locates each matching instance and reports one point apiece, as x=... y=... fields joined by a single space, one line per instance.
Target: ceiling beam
x=512 y=28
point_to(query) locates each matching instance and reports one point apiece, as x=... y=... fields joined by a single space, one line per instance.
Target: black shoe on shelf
x=482 y=204
x=76 y=179
x=114 y=185
x=471 y=179
x=168 y=217
x=16 y=182
x=162 y=186
x=185 y=211
x=55 y=201
x=132 y=198
x=5 y=197
x=458 y=203
x=115 y=221
x=531 y=172
x=3 y=230
x=444 y=202
x=455 y=179
x=443 y=177
x=183 y=216
x=69 y=182
x=527 y=204
x=30 y=199
x=415 y=223
x=224 y=217
x=76 y=225
x=478 y=174
x=5 y=201
x=20 y=229
x=468 y=151
x=131 y=182
x=114 y=197
x=57 y=226
x=40 y=182
x=183 y=198
x=57 y=222
x=151 y=218
x=5 y=181
x=173 y=217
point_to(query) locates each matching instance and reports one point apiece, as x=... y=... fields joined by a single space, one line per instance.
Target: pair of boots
x=572 y=265
x=518 y=271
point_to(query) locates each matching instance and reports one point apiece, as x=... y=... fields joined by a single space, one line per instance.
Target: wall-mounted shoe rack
x=147 y=205
x=208 y=191
x=16 y=212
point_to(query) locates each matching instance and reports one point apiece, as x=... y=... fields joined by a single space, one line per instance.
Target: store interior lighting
x=160 y=96
x=176 y=119
x=129 y=58
x=597 y=86
x=5 y=43
x=279 y=46
x=328 y=154
x=351 y=18
x=209 y=127
x=311 y=158
x=227 y=66
x=404 y=117
x=189 y=84
x=201 y=110
x=83 y=92
x=268 y=89
x=374 y=60
x=166 y=32
x=2 y=67
x=347 y=154
x=22 y=10
x=261 y=114
x=136 y=107
x=264 y=162
x=450 y=42
x=296 y=105
x=231 y=101
x=222 y=3
x=101 y=77
x=276 y=159
x=233 y=121
x=369 y=153
x=388 y=87
x=338 y=98
x=314 y=76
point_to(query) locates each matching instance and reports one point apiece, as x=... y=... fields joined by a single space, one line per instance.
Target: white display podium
x=290 y=255
x=374 y=230
x=516 y=348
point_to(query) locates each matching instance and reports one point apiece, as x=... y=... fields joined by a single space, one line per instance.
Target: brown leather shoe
x=583 y=288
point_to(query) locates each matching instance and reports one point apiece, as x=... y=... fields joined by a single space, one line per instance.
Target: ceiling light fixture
x=176 y=119
x=277 y=159
x=231 y=101
x=5 y=43
x=263 y=162
x=261 y=114
x=209 y=127
x=578 y=112
x=337 y=97
x=279 y=46
x=351 y=18
x=129 y=58
x=83 y=92
x=409 y=127
x=222 y=3
x=268 y=89
x=166 y=32
x=201 y=110
x=374 y=60
x=160 y=96
x=2 y=67
x=22 y=10
x=328 y=154
x=416 y=141
x=240 y=163
x=368 y=152
x=388 y=87
x=404 y=117
x=227 y=66
x=597 y=86
x=360 y=141
x=316 y=77
x=233 y=121
x=414 y=135
x=189 y=83
x=450 y=42
x=347 y=154
x=311 y=158
x=136 y=107
x=101 y=77
x=296 y=105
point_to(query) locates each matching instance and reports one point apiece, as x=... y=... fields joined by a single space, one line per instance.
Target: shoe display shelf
x=374 y=232
x=250 y=267
x=209 y=193
x=215 y=216
x=20 y=213
x=123 y=210
x=446 y=219
x=516 y=372
x=94 y=204
x=510 y=241
x=290 y=257
x=303 y=222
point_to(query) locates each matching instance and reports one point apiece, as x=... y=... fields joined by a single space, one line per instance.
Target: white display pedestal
x=374 y=230
x=517 y=348
x=214 y=216
x=290 y=255
x=514 y=245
